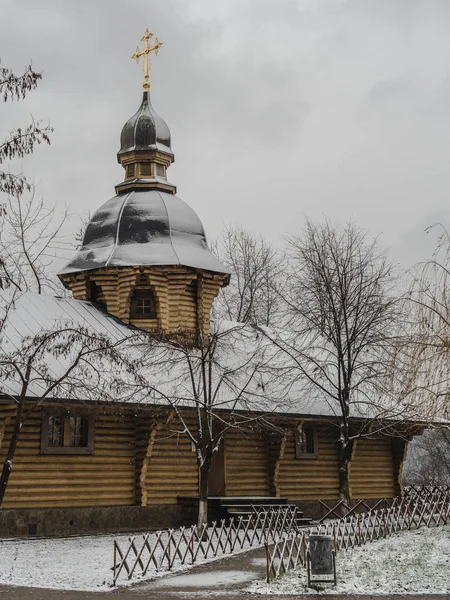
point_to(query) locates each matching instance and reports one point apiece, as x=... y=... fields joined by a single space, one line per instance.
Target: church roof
x=144 y=227
x=29 y=314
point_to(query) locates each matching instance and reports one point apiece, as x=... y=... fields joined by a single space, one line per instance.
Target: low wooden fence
x=163 y=550
x=428 y=507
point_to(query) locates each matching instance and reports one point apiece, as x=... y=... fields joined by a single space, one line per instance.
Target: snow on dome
x=144 y=227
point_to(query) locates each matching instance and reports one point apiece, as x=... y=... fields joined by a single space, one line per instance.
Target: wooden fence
x=163 y=550
x=419 y=507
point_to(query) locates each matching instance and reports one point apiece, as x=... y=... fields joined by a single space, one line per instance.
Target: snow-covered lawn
x=410 y=562
x=76 y=563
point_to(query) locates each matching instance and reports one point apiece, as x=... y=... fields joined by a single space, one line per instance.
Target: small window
x=145 y=169
x=66 y=432
x=160 y=171
x=306 y=442
x=143 y=305
x=129 y=171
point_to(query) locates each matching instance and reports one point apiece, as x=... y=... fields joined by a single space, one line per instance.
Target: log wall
x=310 y=479
x=60 y=480
x=148 y=460
x=169 y=467
x=371 y=468
x=246 y=464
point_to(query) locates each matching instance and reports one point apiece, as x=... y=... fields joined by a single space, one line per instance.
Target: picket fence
x=418 y=507
x=163 y=550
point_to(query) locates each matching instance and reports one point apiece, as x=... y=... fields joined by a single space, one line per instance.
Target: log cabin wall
x=306 y=478
x=147 y=460
x=105 y=478
x=372 y=468
x=169 y=467
x=246 y=464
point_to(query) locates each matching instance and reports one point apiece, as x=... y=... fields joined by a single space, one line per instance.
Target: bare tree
x=83 y=222
x=30 y=238
x=342 y=308
x=256 y=276
x=18 y=217
x=428 y=460
x=19 y=142
x=423 y=359
x=230 y=380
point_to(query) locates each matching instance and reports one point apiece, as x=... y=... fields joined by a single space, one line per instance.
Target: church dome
x=144 y=227
x=145 y=131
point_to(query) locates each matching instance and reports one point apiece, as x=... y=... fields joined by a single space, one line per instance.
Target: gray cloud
x=276 y=108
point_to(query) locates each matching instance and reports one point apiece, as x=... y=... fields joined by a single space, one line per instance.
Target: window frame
x=299 y=454
x=48 y=412
x=135 y=296
x=146 y=170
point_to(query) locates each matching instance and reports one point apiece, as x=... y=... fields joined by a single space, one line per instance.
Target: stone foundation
x=73 y=521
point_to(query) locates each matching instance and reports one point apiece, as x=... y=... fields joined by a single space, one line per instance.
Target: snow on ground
x=78 y=563
x=75 y=563
x=416 y=562
x=409 y=562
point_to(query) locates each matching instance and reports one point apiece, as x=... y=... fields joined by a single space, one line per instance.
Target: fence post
x=115 y=562
x=267 y=563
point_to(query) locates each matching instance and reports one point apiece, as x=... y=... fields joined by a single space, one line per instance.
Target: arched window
x=143 y=305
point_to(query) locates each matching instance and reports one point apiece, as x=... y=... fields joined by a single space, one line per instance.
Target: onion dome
x=145 y=131
x=145 y=151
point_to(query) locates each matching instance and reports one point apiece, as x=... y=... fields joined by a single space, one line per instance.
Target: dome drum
x=179 y=298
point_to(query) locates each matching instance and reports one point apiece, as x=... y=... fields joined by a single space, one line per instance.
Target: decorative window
x=129 y=171
x=145 y=169
x=67 y=431
x=306 y=441
x=143 y=305
x=160 y=171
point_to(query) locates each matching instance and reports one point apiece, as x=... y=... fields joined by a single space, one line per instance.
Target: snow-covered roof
x=276 y=389
x=144 y=227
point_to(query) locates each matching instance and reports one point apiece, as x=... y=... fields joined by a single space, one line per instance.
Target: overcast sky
x=277 y=108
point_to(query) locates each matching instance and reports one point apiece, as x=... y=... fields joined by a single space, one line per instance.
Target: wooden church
x=145 y=261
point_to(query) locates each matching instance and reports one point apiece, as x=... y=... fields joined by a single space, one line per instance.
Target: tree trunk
x=203 y=497
x=8 y=464
x=344 y=459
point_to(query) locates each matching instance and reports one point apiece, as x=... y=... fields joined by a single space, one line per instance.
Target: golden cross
x=146 y=54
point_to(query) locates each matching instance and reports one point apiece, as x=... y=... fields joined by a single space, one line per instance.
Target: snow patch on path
x=410 y=562
x=209 y=579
